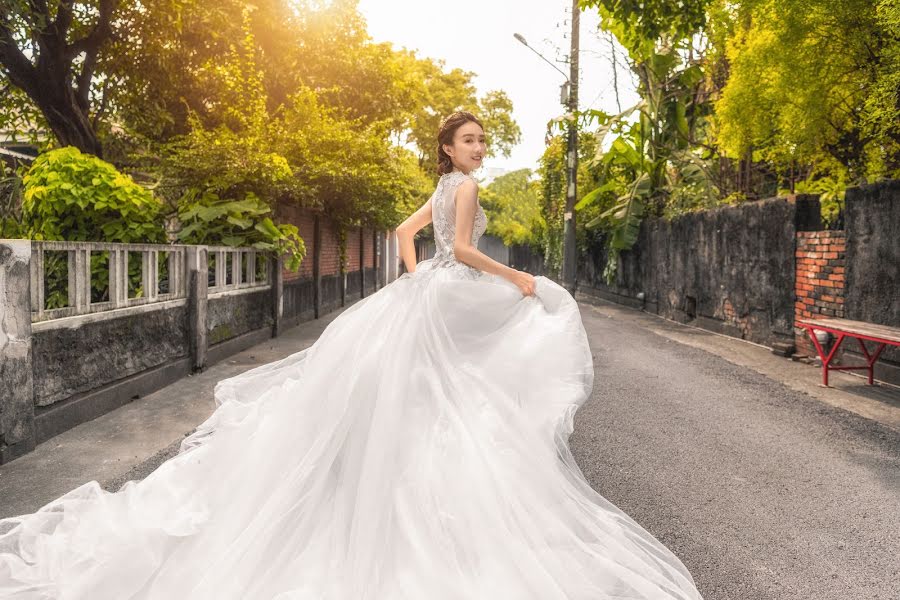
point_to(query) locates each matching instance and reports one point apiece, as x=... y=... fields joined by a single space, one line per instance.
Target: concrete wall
x=231 y=315
x=872 y=292
x=529 y=259
x=730 y=270
x=71 y=360
x=16 y=373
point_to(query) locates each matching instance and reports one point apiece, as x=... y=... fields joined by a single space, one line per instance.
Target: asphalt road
x=762 y=491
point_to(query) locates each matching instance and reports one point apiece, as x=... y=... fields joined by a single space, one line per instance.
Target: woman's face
x=468 y=149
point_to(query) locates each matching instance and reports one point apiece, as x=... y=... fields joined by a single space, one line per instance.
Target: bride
x=417 y=450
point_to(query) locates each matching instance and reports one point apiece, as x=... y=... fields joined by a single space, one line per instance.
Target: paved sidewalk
x=131 y=441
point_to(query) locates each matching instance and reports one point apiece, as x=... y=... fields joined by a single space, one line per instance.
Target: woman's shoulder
x=457 y=177
x=457 y=180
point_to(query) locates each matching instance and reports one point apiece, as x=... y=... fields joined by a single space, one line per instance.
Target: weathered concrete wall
x=16 y=351
x=231 y=315
x=70 y=361
x=525 y=258
x=331 y=293
x=299 y=294
x=730 y=270
x=298 y=300
x=354 y=280
x=872 y=289
x=495 y=248
x=632 y=275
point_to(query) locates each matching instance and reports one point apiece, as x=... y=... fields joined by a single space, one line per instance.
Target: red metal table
x=882 y=335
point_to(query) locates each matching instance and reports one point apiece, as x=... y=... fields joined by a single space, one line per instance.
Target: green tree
x=10 y=202
x=658 y=155
x=50 y=51
x=811 y=87
x=512 y=203
x=552 y=176
x=445 y=92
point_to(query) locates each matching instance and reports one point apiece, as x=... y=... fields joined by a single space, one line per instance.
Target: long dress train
x=417 y=450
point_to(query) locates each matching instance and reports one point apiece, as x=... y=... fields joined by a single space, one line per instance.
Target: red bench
x=882 y=335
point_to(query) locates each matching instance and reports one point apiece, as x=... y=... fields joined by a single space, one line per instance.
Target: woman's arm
x=407 y=230
x=466 y=206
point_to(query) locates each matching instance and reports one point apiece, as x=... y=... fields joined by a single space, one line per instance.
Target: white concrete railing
x=229 y=269
x=236 y=268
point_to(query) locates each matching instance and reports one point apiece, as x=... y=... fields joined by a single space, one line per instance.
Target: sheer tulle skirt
x=419 y=449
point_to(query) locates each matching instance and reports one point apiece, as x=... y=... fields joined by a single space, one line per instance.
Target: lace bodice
x=443 y=214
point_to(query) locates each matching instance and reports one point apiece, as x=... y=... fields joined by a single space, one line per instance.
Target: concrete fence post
x=277 y=280
x=17 y=433
x=317 y=267
x=197 y=258
x=376 y=260
x=362 y=262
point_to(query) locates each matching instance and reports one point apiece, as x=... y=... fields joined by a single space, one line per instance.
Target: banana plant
x=651 y=153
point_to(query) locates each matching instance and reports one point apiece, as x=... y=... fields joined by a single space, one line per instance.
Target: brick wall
x=353 y=249
x=304 y=219
x=369 y=244
x=820 y=260
x=331 y=250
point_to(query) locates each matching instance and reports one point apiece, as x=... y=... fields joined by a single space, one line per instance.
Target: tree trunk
x=48 y=74
x=69 y=123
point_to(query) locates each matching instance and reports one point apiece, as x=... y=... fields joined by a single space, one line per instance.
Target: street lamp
x=564 y=88
x=569 y=99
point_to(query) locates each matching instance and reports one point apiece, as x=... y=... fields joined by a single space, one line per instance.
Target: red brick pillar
x=819 y=280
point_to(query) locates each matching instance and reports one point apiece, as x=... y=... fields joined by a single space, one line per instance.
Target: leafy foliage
x=652 y=158
x=800 y=87
x=235 y=104
x=445 y=92
x=512 y=204
x=640 y=25
x=745 y=99
x=206 y=219
x=77 y=197
x=552 y=170
x=10 y=202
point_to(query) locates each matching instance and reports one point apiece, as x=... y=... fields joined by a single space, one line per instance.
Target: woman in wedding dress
x=418 y=450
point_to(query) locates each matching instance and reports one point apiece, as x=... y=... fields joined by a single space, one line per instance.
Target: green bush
x=78 y=197
x=206 y=218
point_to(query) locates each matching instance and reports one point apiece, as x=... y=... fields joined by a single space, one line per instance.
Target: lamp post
x=569 y=99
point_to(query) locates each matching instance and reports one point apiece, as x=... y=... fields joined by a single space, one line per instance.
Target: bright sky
x=477 y=35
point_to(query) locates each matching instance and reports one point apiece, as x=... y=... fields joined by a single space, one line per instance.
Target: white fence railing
x=236 y=268
x=79 y=278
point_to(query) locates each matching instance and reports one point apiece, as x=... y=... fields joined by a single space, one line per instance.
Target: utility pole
x=569 y=97
x=569 y=245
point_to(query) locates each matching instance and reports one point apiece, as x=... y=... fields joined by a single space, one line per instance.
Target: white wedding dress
x=418 y=450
